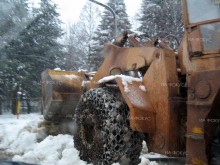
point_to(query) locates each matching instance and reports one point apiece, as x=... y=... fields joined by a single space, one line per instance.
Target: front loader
x=147 y=92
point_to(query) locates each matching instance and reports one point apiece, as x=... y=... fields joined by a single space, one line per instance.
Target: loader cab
x=201 y=64
x=202 y=24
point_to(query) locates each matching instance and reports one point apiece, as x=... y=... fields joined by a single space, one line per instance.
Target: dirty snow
x=125 y=80
x=26 y=142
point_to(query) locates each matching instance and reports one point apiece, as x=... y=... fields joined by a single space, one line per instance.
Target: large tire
x=215 y=148
x=104 y=135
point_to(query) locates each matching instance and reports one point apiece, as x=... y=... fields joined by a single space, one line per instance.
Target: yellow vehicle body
x=175 y=125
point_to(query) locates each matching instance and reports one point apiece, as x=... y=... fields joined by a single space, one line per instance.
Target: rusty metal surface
x=121 y=39
x=202 y=115
x=195 y=41
x=142 y=112
x=155 y=105
x=183 y=56
x=203 y=77
x=161 y=83
x=66 y=79
x=61 y=92
x=192 y=56
x=202 y=89
x=189 y=64
x=133 y=41
x=205 y=63
x=124 y=58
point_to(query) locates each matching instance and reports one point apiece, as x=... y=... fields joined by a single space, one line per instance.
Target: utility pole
x=111 y=10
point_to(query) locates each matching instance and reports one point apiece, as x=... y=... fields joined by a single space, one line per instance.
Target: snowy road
x=22 y=140
x=4 y=157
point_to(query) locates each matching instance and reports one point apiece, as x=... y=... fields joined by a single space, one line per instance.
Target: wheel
x=215 y=148
x=104 y=135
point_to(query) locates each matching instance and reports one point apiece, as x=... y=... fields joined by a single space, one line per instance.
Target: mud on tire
x=104 y=135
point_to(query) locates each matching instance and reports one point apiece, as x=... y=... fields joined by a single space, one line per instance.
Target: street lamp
x=111 y=10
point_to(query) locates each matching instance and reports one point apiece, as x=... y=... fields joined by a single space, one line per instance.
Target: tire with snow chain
x=215 y=148
x=104 y=135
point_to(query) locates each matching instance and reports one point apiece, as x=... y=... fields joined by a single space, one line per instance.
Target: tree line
x=30 y=37
x=28 y=44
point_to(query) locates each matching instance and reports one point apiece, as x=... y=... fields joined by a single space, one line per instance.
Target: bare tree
x=79 y=36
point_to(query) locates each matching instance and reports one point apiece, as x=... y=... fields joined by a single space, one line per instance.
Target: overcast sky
x=70 y=9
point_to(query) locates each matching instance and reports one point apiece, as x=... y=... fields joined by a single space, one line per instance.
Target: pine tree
x=13 y=18
x=105 y=31
x=33 y=49
x=41 y=49
x=161 y=18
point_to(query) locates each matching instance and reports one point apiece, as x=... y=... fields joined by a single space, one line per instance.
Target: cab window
x=211 y=36
x=203 y=10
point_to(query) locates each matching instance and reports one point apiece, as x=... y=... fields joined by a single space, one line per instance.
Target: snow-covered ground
x=26 y=142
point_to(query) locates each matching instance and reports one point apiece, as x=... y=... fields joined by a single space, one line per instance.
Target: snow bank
x=12 y=128
x=125 y=80
x=53 y=150
x=145 y=161
x=28 y=143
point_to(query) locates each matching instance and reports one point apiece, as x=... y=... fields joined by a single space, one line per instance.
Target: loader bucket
x=61 y=92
